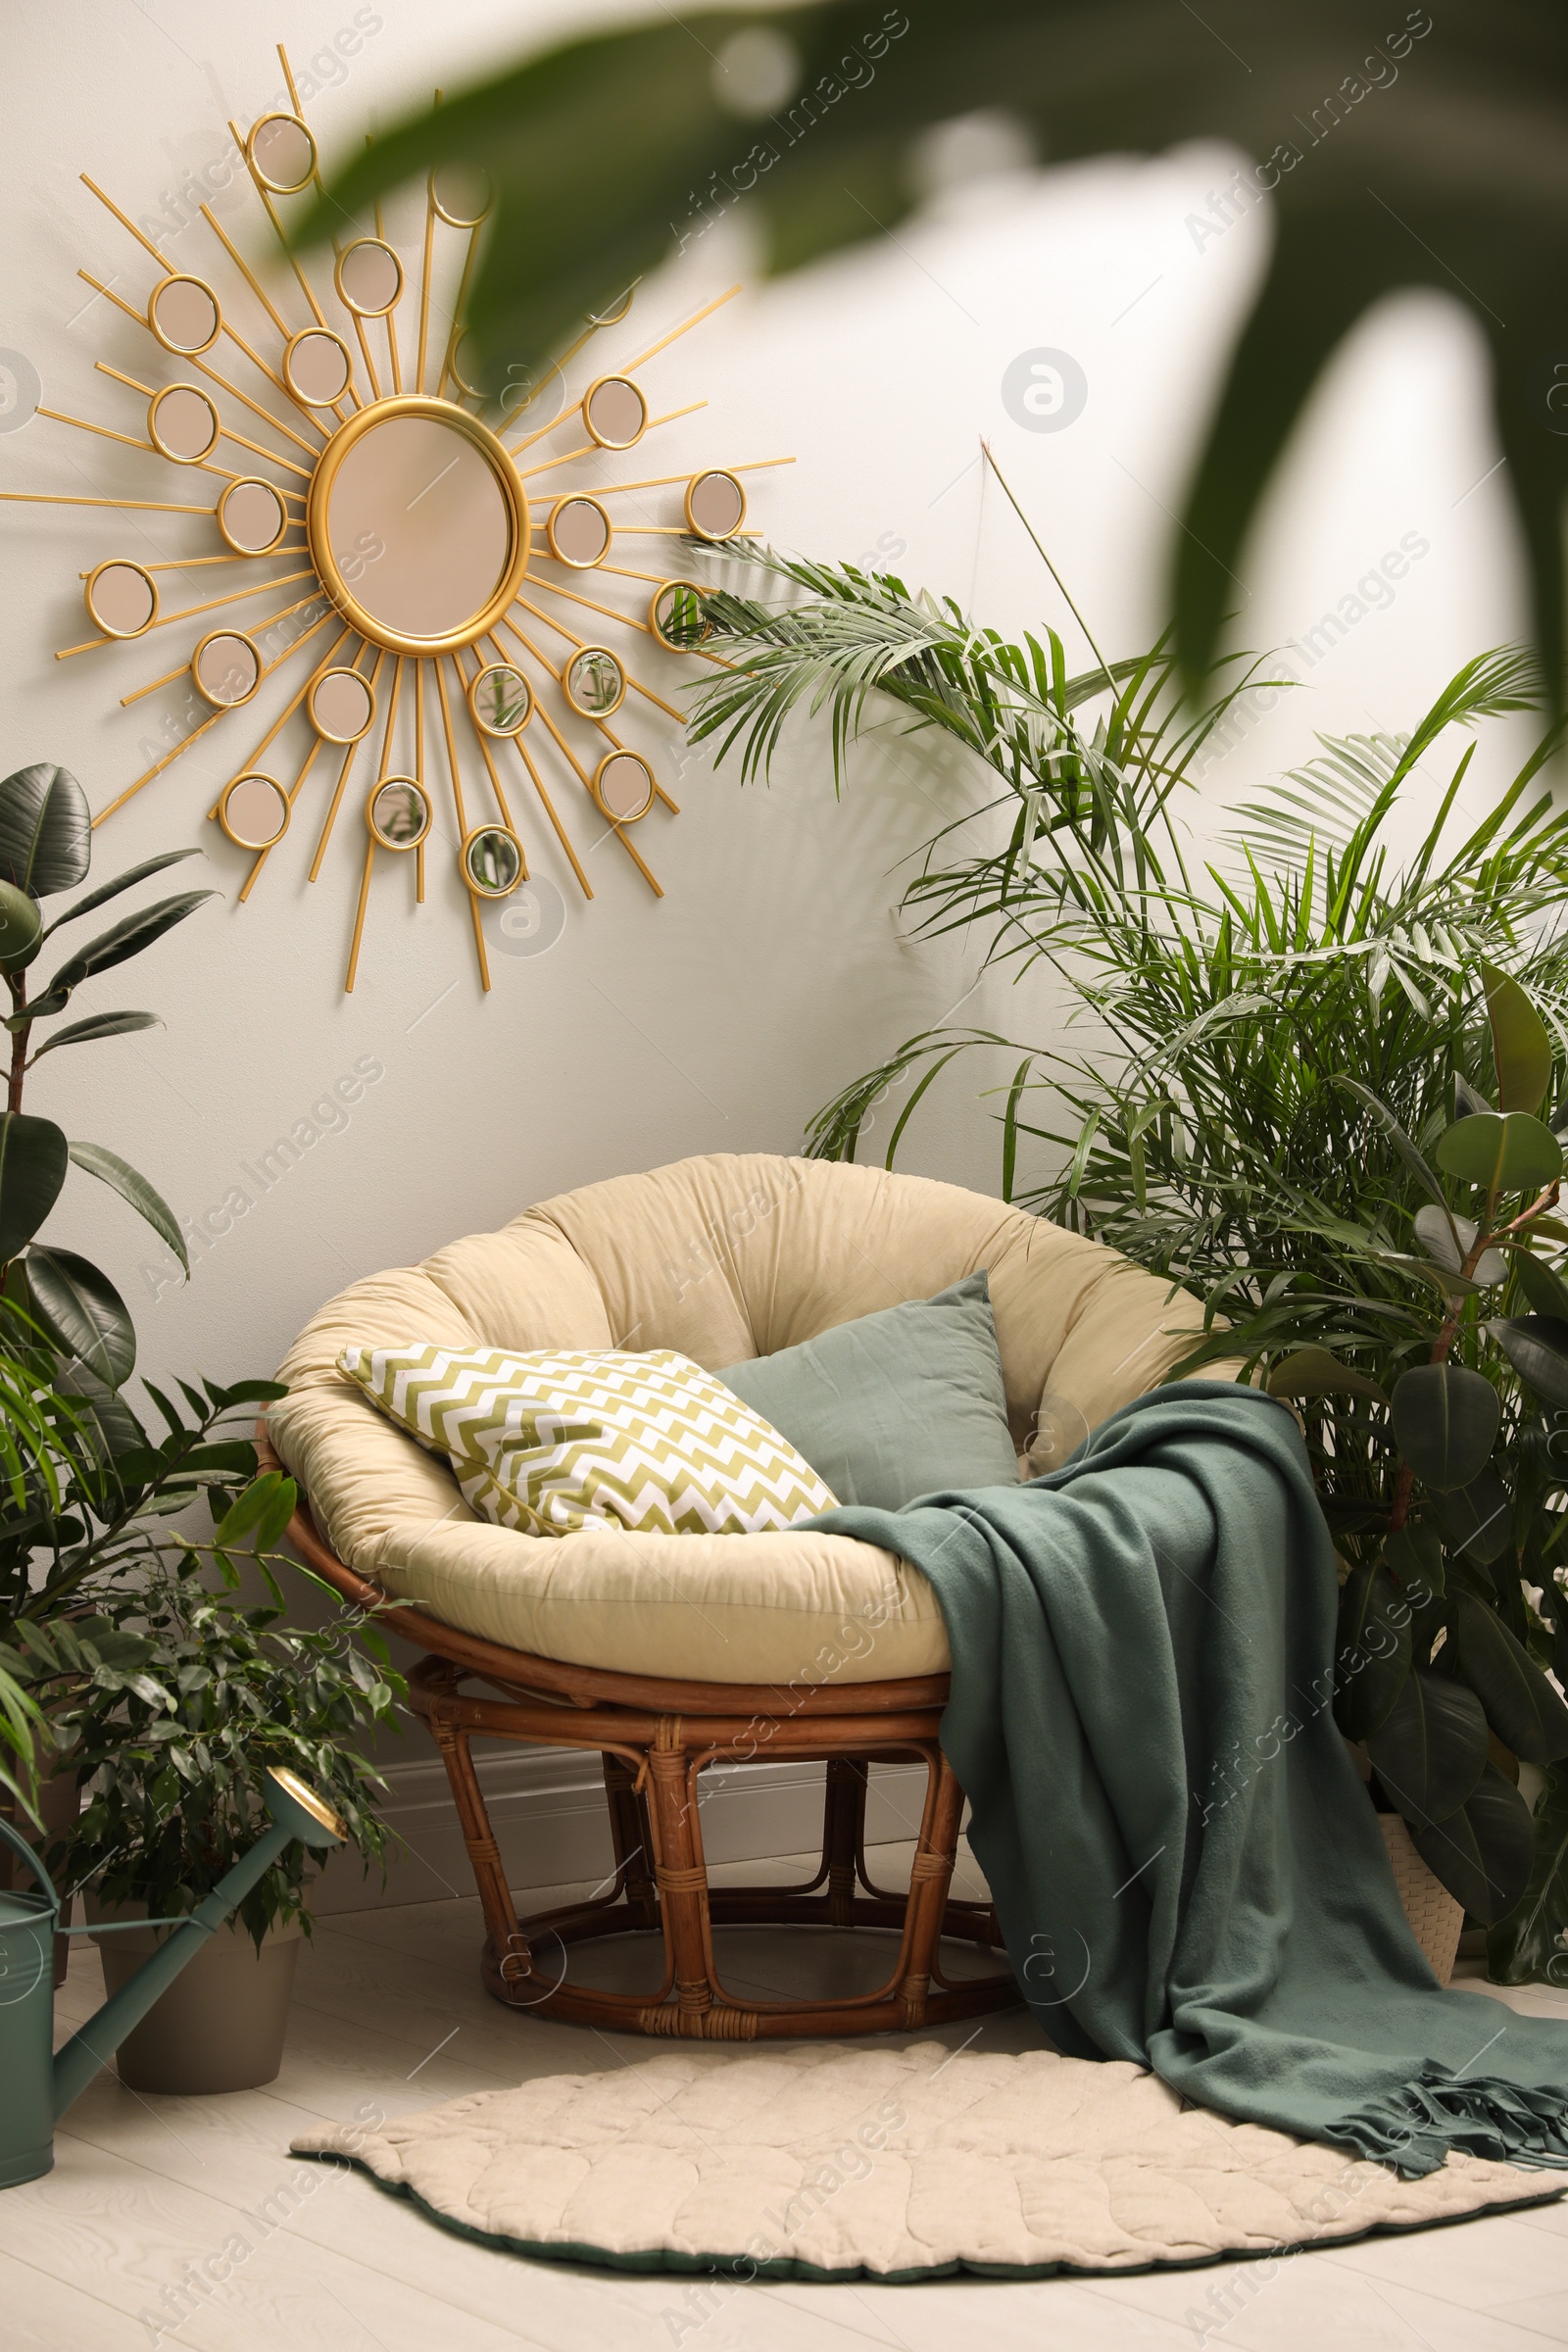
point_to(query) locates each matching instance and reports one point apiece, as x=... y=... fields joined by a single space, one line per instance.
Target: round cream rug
x=828 y=2160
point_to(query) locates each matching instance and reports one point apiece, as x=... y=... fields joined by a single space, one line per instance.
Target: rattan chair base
x=657 y=1736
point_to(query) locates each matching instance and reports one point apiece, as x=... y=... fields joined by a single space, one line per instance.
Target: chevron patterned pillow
x=546 y=1442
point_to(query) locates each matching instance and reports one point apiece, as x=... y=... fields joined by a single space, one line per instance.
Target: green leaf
x=1521 y=1707
x=46 y=830
x=1431 y=1750
x=21 y=928
x=1314 y=1372
x=1541 y=1285
x=1445 y=1421
x=1414 y=1558
x=1529 y=1946
x=1504 y=1151
x=122 y=940
x=262 y=1512
x=111 y=1169
x=1397 y=1136
x=100 y=1024
x=1537 y=1347
x=1520 y=1044
x=1476 y=1517
x=83 y=1312
x=1372 y=1651
x=33 y=1159
x=1449 y=1239
x=1483 y=1853
x=126 y=881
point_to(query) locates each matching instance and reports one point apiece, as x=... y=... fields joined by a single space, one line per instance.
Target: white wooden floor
x=388 y=2007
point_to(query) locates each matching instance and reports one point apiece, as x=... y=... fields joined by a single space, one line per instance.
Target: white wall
x=721 y=1017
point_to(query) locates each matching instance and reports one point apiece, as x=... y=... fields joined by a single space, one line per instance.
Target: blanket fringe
x=1414 y=2127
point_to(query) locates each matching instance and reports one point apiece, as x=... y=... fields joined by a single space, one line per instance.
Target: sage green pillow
x=905 y=1402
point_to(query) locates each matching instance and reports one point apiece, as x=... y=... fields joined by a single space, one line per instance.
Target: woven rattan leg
x=681 y=1877
x=842 y=1826
x=510 y=1944
x=930 y=1876
x=632 y=1840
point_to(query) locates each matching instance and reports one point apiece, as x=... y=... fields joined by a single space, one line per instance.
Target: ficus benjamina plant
x=1322 y=1089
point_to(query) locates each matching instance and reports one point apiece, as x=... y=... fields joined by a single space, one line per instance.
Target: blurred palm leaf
x=1427 y=154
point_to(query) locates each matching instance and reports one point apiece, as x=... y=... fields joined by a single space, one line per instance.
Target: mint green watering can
x=35 y=2089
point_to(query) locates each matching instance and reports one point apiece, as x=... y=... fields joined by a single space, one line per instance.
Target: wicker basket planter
x=1435 y=1918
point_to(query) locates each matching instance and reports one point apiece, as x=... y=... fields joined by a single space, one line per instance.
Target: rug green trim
x=742 y=2269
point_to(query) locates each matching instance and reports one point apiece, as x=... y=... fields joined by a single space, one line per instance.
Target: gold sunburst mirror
x=432 y=552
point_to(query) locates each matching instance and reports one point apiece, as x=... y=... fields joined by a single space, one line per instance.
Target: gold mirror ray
x=121 y=598
x=499 y=700
x=593 y=682
x=579 y=531
x=399 y=812
x=254 y=811
x=492 y=862
x=281 y=153
x=614 y=412
x=341 y=705
x=250 y=515
x=623 y=787
x=369 y=277
x=226 y=669
x=182 y=423
x=183 y=314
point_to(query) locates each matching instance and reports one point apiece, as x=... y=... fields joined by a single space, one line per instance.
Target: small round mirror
x=623 y=787
x=317 y=366
x=182 y=423
x=399 y=814
x=184 y=315
x=594 y=682
x=613 y=312
x=501 y=700
x=493 y=862
x=341 y=705
x=467 y=366
x=252 y=517
x=578 y=532
x=369 y=277
x=460 y=194
x=715 y=505
x=614 y=412
x=677 y=616
x=226 y=669
x=121 y=598
x=253 y=812
x=282 y=154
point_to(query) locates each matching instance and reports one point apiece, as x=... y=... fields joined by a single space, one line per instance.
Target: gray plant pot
x=221 y=2022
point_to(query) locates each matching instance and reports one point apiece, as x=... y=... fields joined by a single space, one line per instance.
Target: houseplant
x=1295 y=1083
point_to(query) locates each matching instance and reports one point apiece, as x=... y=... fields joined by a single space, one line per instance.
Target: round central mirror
x=282 y=154
x=614 y=412
x=226 y=669
x=252 y=517
x=578 y=532
x=341 y=705
x=182 y=423
x=399 y=813
x=317 y=366
x=253 y=812
x=417 y=524
x=593 y=682
x=121 y=598
x=369 y=277
x=184 y=315
x=493 y=862
x=501 y=700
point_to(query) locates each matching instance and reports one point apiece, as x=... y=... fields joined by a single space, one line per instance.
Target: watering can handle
x=18 y=1846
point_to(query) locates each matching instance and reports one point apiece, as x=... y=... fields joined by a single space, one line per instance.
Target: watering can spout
x=26 y=1989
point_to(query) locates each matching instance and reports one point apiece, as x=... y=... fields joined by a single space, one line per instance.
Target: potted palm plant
x=1326 y=1094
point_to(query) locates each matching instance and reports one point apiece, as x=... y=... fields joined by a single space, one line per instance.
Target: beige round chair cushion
x=723 y=1257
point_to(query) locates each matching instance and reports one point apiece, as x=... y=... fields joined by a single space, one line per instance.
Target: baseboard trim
x=547 y=1808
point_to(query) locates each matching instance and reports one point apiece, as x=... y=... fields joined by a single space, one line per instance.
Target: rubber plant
x=45 y=847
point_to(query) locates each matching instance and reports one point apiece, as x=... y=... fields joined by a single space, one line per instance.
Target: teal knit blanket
x=1185 y=1868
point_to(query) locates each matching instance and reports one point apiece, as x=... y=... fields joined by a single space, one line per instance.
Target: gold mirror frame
x=384 y=841
x=238 y=784
x=89 y=598
x=340 y=589
x=183 y=351
x=481 y=890
x=250 y=481
x=233 y=701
